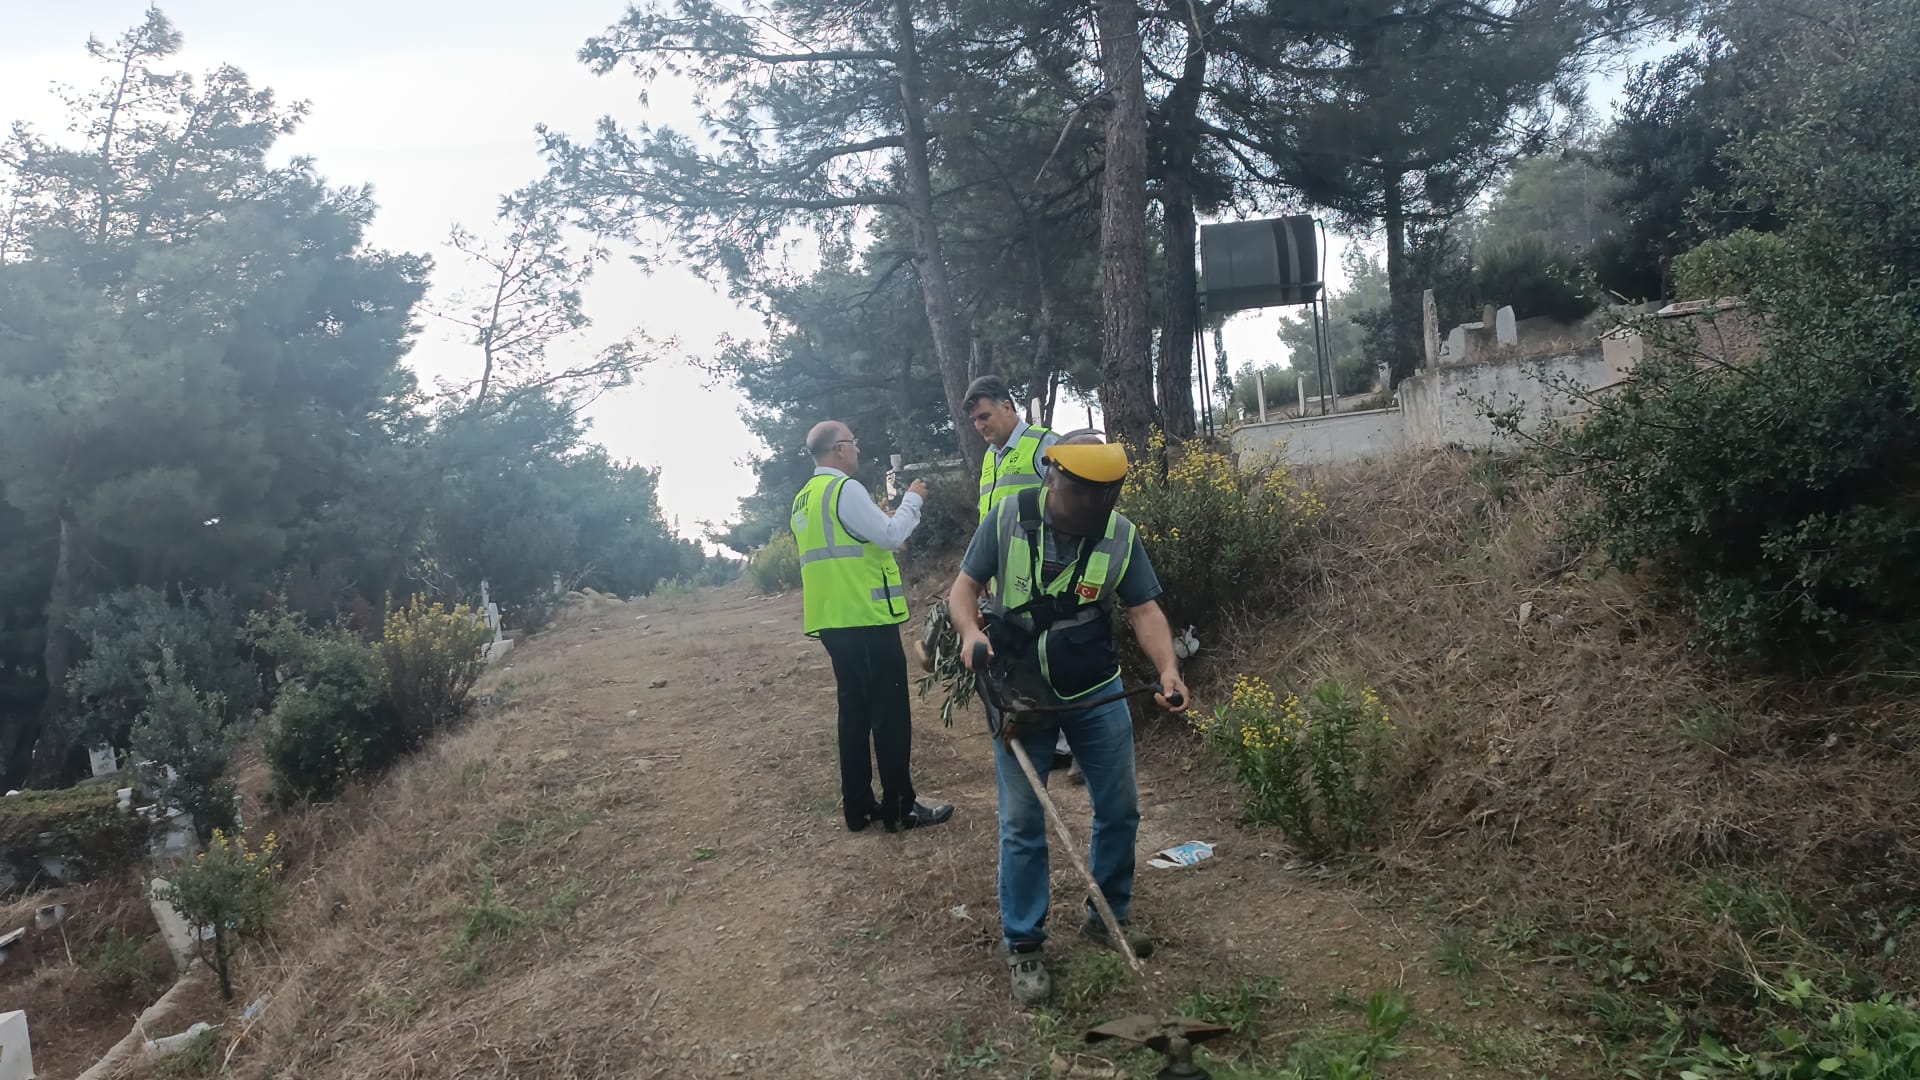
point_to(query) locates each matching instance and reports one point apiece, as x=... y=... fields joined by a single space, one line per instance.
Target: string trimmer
x=1173 y=1036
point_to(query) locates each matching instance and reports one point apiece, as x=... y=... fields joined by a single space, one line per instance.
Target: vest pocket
x=1081 y=657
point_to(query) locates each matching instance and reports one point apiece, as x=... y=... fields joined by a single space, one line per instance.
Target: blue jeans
x=1102 y=741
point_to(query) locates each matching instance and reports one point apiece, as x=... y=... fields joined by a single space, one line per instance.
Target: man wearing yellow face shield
x=1062 y=561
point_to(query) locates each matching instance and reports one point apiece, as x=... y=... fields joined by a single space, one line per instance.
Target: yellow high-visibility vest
x=844 y=581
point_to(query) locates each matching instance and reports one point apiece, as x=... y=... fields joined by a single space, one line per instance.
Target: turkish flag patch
x=1087 y=592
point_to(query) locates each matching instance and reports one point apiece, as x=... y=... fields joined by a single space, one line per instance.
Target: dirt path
x=634 y=865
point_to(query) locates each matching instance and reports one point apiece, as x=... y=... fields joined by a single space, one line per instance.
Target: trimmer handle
x=980 y=669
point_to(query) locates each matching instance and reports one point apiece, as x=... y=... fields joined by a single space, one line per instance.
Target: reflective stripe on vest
x=844 y=582
x=1106 y=565
x=1011 y=473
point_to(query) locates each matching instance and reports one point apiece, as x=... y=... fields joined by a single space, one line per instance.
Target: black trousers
x=870 y=667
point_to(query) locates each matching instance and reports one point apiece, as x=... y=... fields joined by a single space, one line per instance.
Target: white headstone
x=1430 y=320
x=172 y=1044
x=173 y=925
x=16 y=1049
x=1455 y=350
x=103 y=760
x=1504 y=330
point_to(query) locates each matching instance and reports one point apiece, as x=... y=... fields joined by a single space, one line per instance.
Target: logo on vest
x=1087 y=592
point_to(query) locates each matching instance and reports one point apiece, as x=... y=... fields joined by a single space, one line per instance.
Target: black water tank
x=1257 y=264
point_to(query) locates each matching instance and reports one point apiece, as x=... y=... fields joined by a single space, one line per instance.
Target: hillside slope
x=631 y=864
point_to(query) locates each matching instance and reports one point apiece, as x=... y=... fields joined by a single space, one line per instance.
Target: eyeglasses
x=855 y=443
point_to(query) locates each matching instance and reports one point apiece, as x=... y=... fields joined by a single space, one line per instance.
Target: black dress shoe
x=921 y=816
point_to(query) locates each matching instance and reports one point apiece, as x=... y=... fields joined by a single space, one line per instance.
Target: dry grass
x=83 y=981
x=1571 y=753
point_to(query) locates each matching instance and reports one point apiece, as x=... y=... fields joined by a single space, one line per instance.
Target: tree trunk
x=949 y=339
x=1222 y=378
x=1040 y=377
x=106 y=145
x=50 y=754
x=1402 y=305
x=222 y=957
x=486 y=378
x=1126 y=385
x=1181 y=312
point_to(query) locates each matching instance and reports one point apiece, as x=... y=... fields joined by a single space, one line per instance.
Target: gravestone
x=103 y=760
x=1430 y=318
x=16 y=1049
x=173 y=925
x=1505 y=331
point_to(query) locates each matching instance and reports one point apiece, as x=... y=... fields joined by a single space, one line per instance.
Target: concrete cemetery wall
x=1447 y=406
x=1323 y=440
x=1440 y=406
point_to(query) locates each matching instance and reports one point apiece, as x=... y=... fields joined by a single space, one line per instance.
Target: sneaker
x=1096 y=931
x=1031 y=986
x=922 y=816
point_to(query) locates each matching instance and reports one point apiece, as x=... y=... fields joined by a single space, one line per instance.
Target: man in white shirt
x=854 y=603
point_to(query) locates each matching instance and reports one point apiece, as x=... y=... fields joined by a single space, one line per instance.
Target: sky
x=434 y=104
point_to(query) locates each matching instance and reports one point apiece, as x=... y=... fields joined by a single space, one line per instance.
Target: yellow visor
x=1098 y=463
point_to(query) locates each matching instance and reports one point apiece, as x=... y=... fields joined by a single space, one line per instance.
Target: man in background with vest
x=1014 y=462
x=1062 y=562
x=854 y=603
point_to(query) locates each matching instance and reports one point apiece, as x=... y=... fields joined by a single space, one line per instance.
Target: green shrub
x=1723 y=267
x=430 y=657
x=1311 y=767
x=128 y=631
x=1220 y=536
x=1778 y=497
x=1822 y=1037
x=232 y=890
x=89 y=831
x=947 y=520
x=775 y=565
x=1775 y=498
x=333 y=719
x=122 y=966
x=184 y=731
x=1533 y=278
x=316 y=743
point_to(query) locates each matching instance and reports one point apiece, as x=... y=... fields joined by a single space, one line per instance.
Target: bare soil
x=83 y=982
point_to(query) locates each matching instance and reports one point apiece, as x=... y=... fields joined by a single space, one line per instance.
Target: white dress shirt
x=868 y=522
